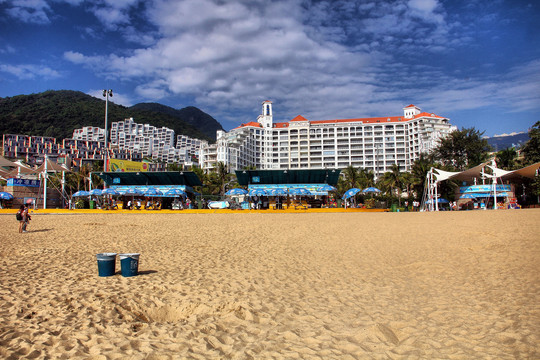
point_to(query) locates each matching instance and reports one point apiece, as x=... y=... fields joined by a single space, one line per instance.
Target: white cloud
x=324 y=60
x=75 y=57
x=7 y=49
x=111 y=17
x=29 y=11
x=29 y=71
x=117 y=98
x=114 y=13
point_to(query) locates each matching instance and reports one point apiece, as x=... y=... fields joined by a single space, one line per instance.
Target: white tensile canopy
x=10 y=169
x=436 y=175
x=47 y=167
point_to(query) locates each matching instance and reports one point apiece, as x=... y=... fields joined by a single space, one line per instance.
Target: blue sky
x=476 y=62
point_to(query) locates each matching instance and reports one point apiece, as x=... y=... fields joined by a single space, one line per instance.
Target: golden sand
x=453 y=285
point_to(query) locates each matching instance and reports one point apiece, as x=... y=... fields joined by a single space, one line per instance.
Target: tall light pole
x=106 y=94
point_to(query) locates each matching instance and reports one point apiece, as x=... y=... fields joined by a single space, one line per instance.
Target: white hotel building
x=371 y=143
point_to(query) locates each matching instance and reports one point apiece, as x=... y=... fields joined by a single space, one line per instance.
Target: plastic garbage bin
x=92 y=204
x=129 y=264
x=106 y=264
x=393 y=208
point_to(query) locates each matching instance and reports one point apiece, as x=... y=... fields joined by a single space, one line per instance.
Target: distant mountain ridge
x=190 y=114
x=56 y=113
x=507 y=141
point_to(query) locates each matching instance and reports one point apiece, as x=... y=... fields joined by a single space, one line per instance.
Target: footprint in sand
x=388 y=333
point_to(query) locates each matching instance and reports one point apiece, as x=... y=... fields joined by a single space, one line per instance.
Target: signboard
x=163 y=188
x=23 y=182
x=126 y=165
x=483 y=188
x=313 y=188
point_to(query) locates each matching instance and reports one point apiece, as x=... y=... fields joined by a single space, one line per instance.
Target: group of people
x=136 y=204
x=179 y=204
x=24 y=218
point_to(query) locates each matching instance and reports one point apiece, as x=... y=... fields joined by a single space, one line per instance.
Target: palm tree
x=222 y=176
x=351 y=177
x=393 y=180
x=407 y=181
x=366 y=178
x=96 y=180
x=419 y=170
x=506 y=159
x=384 y=183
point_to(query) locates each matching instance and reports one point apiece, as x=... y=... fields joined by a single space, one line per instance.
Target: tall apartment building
x=89 y=133
x=371 y=143
x=150 y=141
x=31 y=148
x=190 y=149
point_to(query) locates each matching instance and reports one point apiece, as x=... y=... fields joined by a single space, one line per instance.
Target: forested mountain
x=192 y=115
x=58 y=113
x=507 y=141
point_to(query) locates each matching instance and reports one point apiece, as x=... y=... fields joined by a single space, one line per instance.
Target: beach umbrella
x=175 y=192
x=299 y=191
x=327 y=187
x=277 y=192
x=351 y=192
x=153 y=192
x=133 y=191
x=258 y=192
x=236 y=191
x=95 y=192
x=110 y=191
x=371 y=190
x=81 y=193
x=5 y=196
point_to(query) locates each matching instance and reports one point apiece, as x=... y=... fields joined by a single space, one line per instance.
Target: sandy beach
x=451 y=285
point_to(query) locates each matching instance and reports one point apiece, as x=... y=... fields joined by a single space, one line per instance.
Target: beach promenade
x=270 y=284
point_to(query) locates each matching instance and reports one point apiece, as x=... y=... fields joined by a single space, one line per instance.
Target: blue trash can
x=106 y=264
x=129 y=264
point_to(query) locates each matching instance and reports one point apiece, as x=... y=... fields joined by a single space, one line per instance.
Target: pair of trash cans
x=129 y=264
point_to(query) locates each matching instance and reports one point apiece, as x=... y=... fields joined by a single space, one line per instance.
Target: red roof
x=251 y=123
x=382 y=120
x=409 y=106
x=386 y=119
x=427 y=115
x=364 y=120
x=299 y=118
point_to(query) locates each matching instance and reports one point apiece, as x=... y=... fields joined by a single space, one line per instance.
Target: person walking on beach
x=26 y=217
x=20 y=217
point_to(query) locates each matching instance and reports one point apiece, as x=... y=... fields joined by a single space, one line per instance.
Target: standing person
x=20 y=218
x=26 y=218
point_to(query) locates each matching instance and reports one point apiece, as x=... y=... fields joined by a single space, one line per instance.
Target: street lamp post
x=106 y=94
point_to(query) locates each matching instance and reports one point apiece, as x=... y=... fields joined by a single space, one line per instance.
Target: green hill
x=58 y=113
x=190 y=114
